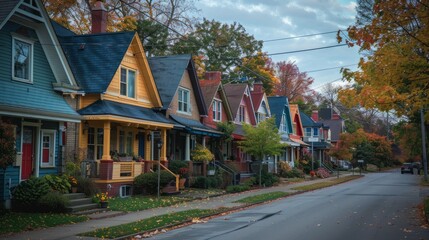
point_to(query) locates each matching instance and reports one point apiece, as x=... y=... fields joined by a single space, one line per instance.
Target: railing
x=242 y=167
x=235 y=177
x=176 y=176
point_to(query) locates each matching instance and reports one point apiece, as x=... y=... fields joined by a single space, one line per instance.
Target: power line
x=307 y=50
x=301 y=36
x=325 y=69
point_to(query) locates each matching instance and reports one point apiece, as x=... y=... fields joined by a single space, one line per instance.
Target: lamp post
x=159 y=145
x=425 y=163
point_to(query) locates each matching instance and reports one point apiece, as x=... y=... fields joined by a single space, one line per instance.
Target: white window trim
x=126 y=78
x=215 y=102
x=188 y=101
x=54 y=140
x=31 y=42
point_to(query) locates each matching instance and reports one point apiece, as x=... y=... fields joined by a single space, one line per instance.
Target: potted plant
x=183 y=175
x=102 y=199
x=73 y=183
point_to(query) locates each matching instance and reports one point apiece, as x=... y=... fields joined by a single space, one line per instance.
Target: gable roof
x=278 y=105
x=168 y=71
x=308 y=122
x=336 y=127
x=94 y=58
x=209 y=88
x=235 y=93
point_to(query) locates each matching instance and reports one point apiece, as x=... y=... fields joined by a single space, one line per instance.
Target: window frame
x=181 y=102
x=241 y=113
x=52 y=148
x=308 y=132
x=217 y=110
x=31 y=58
x=127 y=82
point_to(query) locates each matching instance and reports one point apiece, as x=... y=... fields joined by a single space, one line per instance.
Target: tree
x=219 y=46
x=291 y=82
x=153 y=36
x=261 y=140
x=7 y=145
x=394 y=75
x=408 y=137
x=174 y=15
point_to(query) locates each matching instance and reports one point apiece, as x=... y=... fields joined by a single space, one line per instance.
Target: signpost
x=360 y=166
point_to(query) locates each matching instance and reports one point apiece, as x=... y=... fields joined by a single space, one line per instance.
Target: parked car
x=407 y=167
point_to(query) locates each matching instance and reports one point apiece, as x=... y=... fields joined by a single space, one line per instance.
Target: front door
x=28 y=142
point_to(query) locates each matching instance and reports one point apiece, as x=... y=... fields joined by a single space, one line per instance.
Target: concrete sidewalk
x=102 y=220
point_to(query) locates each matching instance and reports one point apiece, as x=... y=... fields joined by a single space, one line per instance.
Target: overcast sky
x=274 y=19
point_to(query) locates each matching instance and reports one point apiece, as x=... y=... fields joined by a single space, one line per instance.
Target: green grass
x=150 y=223
x=319 y=185
x=263 y=197
x=138 y=203
x=12 y=222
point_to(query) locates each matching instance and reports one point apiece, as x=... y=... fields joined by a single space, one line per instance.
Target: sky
x=276 y=19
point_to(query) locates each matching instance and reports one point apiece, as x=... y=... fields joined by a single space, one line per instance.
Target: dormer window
x=22 y=58
x=128 y=83
x=184 y=100
x=241 y=114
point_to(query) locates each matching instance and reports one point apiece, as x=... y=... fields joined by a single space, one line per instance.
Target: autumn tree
x=407 y=135
x=291 y=82
x=7 y=145
x=394 y=74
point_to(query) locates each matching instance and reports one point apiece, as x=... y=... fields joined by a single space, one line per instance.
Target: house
x=218 y=111
x=260 y=102
x=183 y=103
x=242 y=110
x=317 y=136
x=279 y=106
x=36 y=80
x=119 y=122
x=331 y=118
x=297 y=133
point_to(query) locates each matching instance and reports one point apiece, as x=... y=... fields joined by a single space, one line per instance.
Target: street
x=377 y=206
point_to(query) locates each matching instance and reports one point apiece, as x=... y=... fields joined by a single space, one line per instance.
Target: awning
x=320 y=145
x=194 y=127
x=290 y=143
x=301 y=143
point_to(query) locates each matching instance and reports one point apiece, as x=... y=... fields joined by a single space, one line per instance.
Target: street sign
x=360 y=161
x=313 y=139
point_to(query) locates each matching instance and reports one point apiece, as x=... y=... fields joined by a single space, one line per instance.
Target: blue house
x=35 y=80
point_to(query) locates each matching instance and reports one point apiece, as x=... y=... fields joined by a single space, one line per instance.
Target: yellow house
x=118 y=108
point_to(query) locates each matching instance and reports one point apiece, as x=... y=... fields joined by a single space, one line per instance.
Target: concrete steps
x=79 y=202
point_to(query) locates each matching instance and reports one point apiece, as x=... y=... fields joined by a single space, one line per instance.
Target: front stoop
x=79 y=202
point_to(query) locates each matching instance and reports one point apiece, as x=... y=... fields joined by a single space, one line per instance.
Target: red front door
x=27 y=153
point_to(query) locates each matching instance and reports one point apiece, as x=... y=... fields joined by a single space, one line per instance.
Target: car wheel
x=402 y=172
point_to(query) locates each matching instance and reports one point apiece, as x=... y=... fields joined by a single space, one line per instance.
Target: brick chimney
x=315 y=115
x=213 y=76
x=99 y=18
x=258 y=87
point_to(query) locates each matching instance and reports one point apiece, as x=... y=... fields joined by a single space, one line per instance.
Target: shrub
x=293 y=173
x=58 y=183
x=178 y=167
x=322 y=173
x=207 y=182
x=86 y=185
x=26 y=195
x=201 y=153
x=148 y=182
x=237 y=188
x=53 y=202
x=267 y=179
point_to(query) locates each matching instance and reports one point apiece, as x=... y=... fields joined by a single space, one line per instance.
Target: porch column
x=188 y=147
x=106 y=141
x=163 y=156
x=204 y=141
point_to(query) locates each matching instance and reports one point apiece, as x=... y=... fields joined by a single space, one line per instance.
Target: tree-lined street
x=377 y=206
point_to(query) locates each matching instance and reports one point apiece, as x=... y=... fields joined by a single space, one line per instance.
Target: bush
x=58 y=183
x=175 y=165
x=87 y=186
x=148 y=182
x=237 y=188
x=53 y=202
x=207 y=182
x=293 y=173
x=322 y=173
x=267 y=179
x=27 y=194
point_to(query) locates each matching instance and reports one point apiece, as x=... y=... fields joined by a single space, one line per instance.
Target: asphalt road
x=377 y=206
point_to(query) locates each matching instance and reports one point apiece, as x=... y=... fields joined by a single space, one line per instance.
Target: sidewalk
x=101 y=220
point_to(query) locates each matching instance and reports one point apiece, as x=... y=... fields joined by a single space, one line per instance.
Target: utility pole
x=425 y=160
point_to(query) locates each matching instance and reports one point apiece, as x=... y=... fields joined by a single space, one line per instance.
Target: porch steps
x=79 y=202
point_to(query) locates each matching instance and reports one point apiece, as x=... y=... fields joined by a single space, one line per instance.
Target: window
x=125 y=191
x=316 y=132
x=217 y=110
x=22 y=60
x=95 y=143
x=261 y=117
x=48 y=148
x=184 y=101
x=125 y=142
x=308 y=132
x=128 y=83
x=241 y=114
x=283 y=126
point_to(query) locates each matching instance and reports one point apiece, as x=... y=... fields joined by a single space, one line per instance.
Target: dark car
x=407 y=167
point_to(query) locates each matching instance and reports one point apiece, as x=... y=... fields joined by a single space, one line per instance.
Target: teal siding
x=11 y=173
x=40 y=94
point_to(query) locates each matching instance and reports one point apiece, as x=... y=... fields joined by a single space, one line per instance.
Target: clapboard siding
x=11 y=173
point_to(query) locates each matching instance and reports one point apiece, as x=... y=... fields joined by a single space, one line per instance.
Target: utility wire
x=301 y=36
x=307 y=50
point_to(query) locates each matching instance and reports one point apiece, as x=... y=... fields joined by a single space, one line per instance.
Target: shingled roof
x=94 y=58
x=278 y=105
x=235 y=93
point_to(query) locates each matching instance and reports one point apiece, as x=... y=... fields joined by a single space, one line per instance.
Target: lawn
x=12 y=222
x=332 y=182
x=138 y=203
x=263 y=197
x=152 y=223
